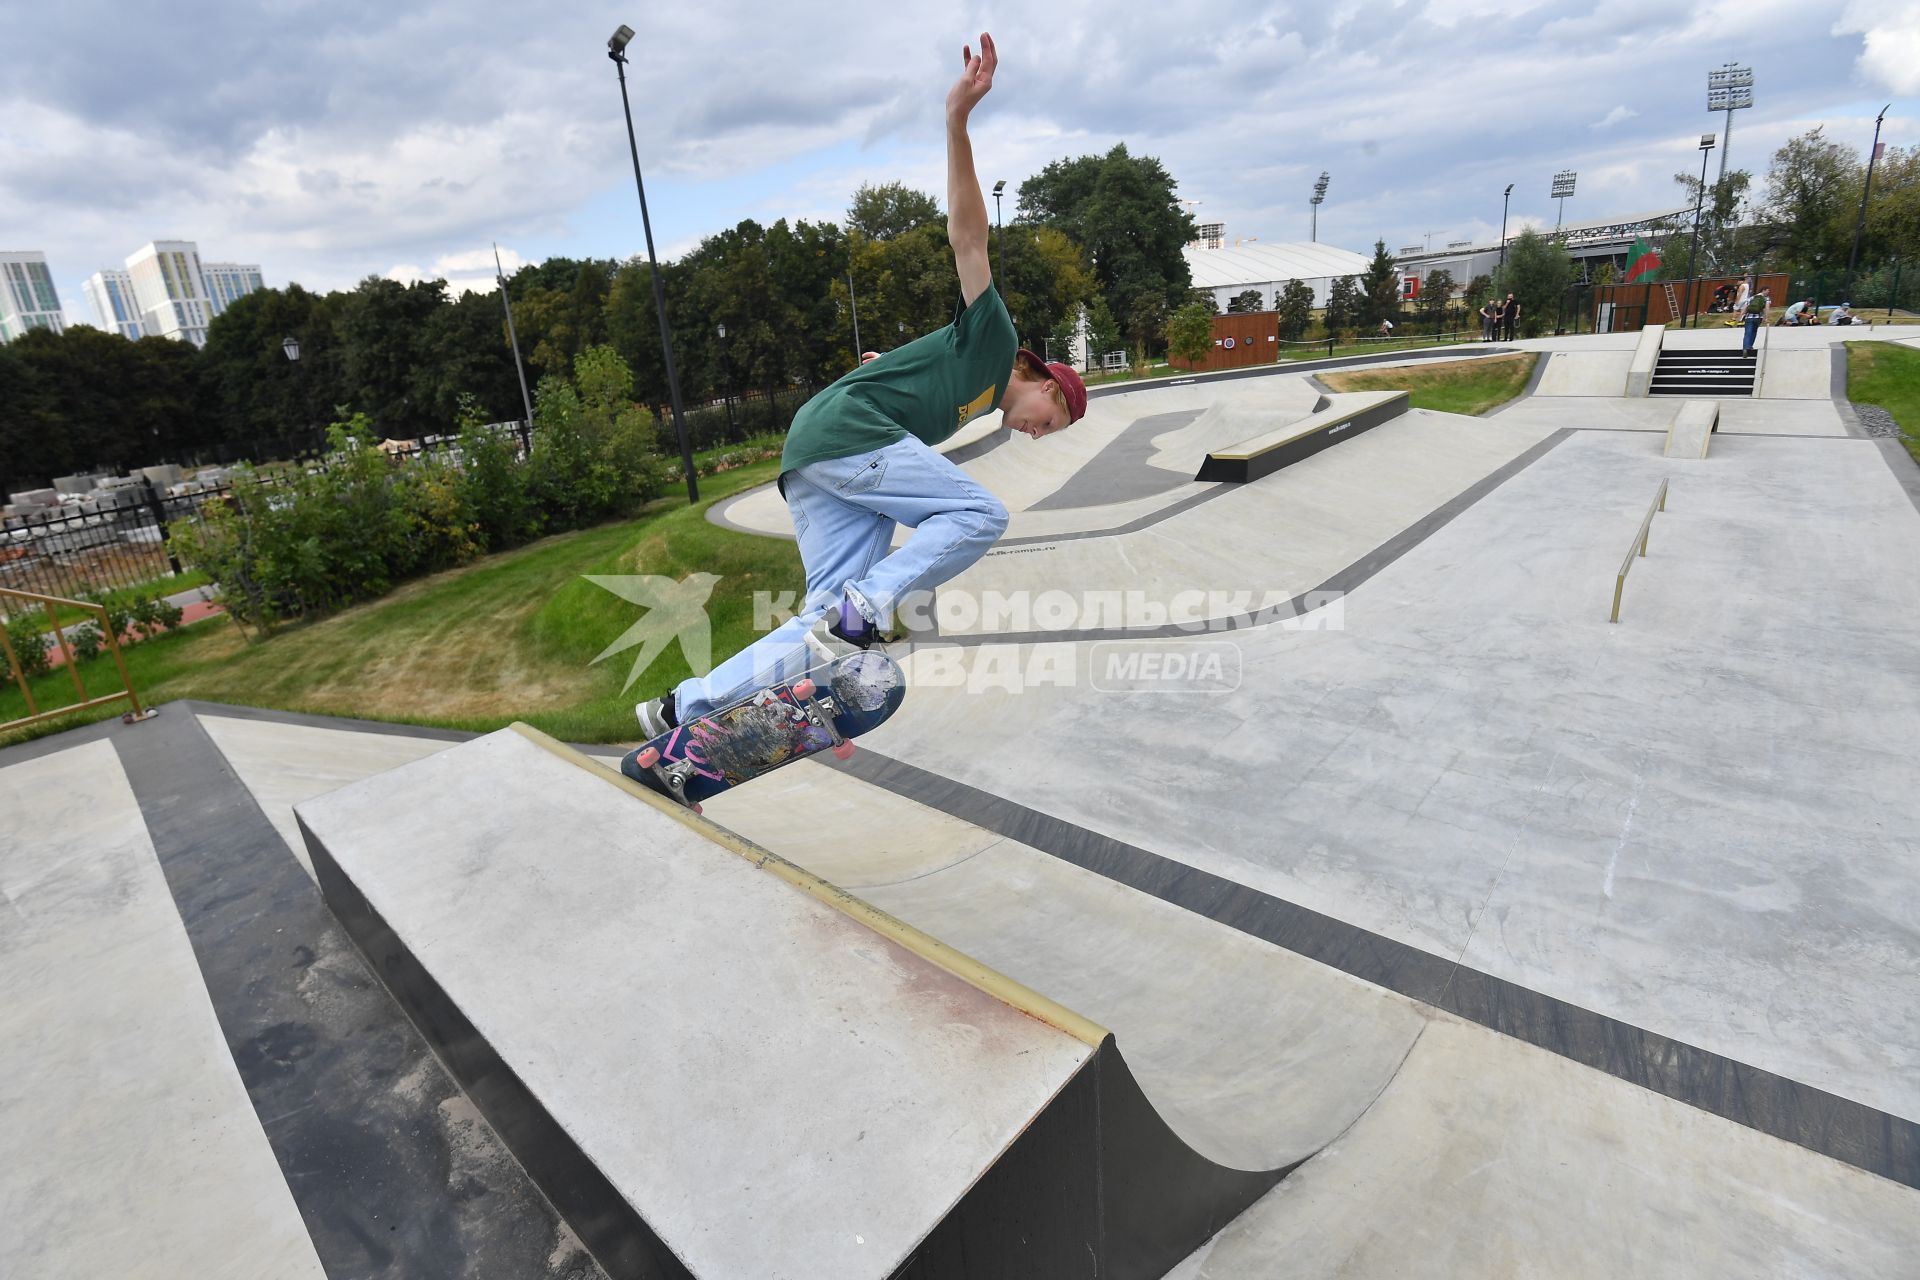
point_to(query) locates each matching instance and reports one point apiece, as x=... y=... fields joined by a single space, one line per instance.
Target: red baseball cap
x=1064 y=377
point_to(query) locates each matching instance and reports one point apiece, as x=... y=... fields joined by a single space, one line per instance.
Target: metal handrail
x=1639 y=548
x=34 y=714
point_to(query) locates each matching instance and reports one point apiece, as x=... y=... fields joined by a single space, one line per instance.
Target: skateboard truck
x=804 y=691
x=673 y=777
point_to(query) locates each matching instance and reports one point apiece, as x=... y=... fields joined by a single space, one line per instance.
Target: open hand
x=975 y=80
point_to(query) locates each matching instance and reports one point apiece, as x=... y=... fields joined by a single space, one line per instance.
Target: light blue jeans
x=844 y=512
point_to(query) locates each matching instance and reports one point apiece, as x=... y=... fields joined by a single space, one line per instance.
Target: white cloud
x=1890 y=39
x=1613 y=117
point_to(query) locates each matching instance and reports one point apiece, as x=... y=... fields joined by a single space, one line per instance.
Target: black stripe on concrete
x=1850 y=1132
x=393 y=1172
x=716 y=514
x=1343 y=581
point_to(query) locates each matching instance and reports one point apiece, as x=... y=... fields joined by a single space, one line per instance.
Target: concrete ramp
x=1585 y=373
x=715 y=1064
x=1692 y=429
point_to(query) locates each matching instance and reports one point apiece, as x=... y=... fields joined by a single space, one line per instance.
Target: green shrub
x=30 y=647
x=86 y=641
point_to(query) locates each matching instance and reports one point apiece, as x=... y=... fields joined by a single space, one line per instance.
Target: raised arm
x=966 y=207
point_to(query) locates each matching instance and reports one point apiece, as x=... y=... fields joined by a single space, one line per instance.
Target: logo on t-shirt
x=979 y=404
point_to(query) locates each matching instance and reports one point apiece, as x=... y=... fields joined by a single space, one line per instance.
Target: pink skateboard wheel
x=648 y=757
x=696 y=808
x=804 y=689
x=842 y=750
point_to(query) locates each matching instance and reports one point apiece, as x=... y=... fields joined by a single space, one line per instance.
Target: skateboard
x=822 y=709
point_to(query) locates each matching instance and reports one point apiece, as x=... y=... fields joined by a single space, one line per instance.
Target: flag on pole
x=1642 y=262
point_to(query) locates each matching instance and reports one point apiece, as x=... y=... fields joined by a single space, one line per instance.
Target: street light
x=519 y=369
x=1860 y=219
x=1729 y=89
x=1504 y=201
x=1693 y=254
x=998 y=187
x=292 y=347
x=1562 y=188
x=1319 y=194
x=617 y=51
x=725 y=382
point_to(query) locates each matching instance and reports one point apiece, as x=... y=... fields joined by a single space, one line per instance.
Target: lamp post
x=726 y=383
x=520 y=370
x=1693 y=255
x=1729 y=89
x=1860 y=219
x=1562 y=188
x=617 y=51
x=1319 y=194
x=291 y=345
x=998 y=187
x=853 y=305
x=1505 y=200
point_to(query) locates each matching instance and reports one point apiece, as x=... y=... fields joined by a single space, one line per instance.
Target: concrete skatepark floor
x=1552 y=946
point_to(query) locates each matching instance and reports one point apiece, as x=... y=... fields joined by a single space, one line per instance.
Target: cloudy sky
x=329 y=140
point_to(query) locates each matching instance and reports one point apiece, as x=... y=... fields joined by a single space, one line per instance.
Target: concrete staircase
x=1702 y=373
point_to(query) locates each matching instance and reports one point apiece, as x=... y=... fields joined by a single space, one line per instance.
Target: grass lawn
x=509 y=637
x=1293 y=354
x=1889 y=376
x=1452 y=386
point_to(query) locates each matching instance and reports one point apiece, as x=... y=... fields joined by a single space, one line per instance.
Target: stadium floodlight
x=1562 y=188
x=1729 y=89
x=1319 y=194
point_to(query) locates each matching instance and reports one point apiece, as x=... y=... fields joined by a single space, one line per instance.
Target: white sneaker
x=656 y=717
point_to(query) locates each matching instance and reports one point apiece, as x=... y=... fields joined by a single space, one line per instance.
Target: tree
x=381 y=328
x=1190 y=333
x=1343 y=304
x=1479 y=289
x=1044 y=277
x=1723 y=248
x=1245 y=300
x=1295 y=305
x=890 y=209
x=1123 y=210
x=250 y=390
x=1537 y=272
x=1379 y=288
x=1103 y=332
x=1436 y=293
x=1811 y=187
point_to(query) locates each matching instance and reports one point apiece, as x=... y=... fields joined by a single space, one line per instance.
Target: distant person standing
x=1386 y=328
x=1752 y=316
x=1490 y=321
x=1510 y=315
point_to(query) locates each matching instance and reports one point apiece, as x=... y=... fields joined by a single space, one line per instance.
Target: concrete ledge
x=1263 y=455
x=1692 y=429
x=711 y=1074
x=1646 y=354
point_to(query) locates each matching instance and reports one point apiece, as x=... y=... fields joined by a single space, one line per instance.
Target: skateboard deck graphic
x=823 y=709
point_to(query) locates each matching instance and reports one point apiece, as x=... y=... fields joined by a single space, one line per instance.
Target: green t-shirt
x=928 y=389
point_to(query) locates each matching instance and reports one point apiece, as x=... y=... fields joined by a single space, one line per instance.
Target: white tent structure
x=1268 y=267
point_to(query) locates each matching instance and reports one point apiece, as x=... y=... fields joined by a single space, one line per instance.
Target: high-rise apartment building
x=114 y=303
x=171 y=291
x=227 y=282
x=28 y=299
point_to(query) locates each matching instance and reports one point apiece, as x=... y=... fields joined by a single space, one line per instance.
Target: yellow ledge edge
x=931 y=949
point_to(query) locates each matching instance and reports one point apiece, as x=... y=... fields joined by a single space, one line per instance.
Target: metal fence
x=115 y=540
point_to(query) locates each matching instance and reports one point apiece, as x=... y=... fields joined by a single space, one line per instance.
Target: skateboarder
x=859 y=457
